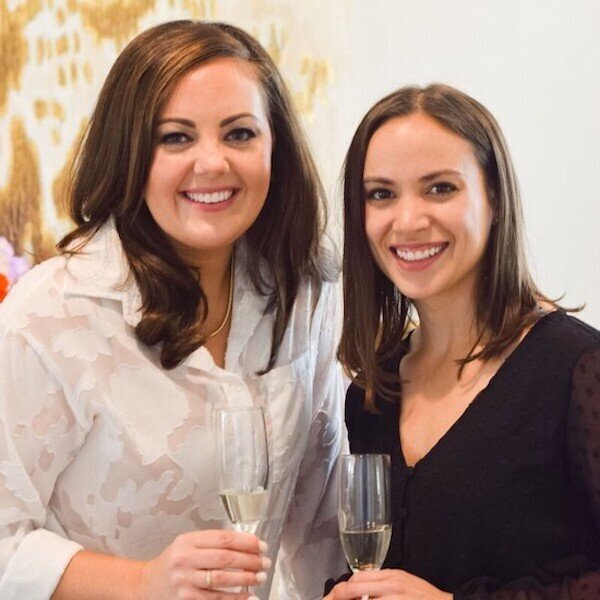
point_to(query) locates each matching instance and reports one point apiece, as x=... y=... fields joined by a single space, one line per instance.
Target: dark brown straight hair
x=376 y=314
x=111 y=169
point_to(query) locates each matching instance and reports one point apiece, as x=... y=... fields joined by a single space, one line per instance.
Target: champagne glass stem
x=247 y=528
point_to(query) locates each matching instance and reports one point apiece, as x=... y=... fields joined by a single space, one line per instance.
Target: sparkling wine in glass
x=242 y=465
x=364 y=512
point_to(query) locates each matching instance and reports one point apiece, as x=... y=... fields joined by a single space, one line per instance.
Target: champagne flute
x=364 y=513
x=242 y=465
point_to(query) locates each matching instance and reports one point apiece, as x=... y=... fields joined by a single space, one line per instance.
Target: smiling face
x=427 y=215
x=211 y=168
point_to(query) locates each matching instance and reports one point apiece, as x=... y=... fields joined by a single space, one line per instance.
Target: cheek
x=258 y=170
x=472 y=217
x=479 y=221
x=375 y=232
x=265 y=177
x=160 y=176
x=375 y=226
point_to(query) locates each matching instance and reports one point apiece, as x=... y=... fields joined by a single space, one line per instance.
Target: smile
x=210 y=197
x=416 y=255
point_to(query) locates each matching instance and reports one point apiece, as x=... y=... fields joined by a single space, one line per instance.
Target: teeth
x=410 y=256
x=211 y=198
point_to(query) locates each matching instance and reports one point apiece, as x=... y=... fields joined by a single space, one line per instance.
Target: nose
x=210 y=159
x=410 y=215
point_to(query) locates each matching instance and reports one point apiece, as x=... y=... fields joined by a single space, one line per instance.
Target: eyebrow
x=382 y=180
x=437 y=174
x=423 y=179
x=222 y=123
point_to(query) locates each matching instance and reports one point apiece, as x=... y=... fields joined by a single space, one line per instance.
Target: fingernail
x=252 y=597
x=263 y=546
x=266 y=562
x=261 y=577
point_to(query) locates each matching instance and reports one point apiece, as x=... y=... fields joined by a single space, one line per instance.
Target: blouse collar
x=101 y=270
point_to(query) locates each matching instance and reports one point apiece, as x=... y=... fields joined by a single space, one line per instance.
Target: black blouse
x=507 y=504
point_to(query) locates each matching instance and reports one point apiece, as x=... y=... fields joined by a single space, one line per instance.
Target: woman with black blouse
x=490 y=408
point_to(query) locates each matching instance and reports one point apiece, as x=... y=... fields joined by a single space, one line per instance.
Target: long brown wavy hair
x=376 y=314
x=111 y=169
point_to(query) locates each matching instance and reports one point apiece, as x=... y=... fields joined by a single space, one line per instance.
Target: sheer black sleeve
x=583 y=442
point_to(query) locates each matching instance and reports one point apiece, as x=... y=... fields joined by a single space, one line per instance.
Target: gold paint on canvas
x=41 y=53
x=13 y=46
x=115 y=20
x=45 y=108
x=20 y=201
x=276 y=44
x=62 y=45
x=88 y=74
x=40 y=108
x=317 y=75
x=61 y=181
x=61 y=76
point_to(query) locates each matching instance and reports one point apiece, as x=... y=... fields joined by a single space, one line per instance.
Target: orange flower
x=4 y=283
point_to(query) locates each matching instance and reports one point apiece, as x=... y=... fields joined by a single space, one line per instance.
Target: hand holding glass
x=364 y=513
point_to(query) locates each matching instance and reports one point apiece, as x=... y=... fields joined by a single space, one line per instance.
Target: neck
x=447 y=329
x=214 y=268
x=215 y=274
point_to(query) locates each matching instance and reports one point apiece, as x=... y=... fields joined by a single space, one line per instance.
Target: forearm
x=97 y=576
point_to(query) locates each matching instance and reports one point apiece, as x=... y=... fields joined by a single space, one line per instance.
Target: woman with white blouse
x=195 y=278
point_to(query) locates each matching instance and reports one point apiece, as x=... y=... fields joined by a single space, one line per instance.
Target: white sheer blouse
x=102 y=449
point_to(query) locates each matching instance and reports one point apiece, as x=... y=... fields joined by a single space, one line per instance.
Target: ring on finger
x=208 y=576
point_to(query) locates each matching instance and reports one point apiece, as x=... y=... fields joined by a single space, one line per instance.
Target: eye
x=240 y=134
x=174 y=138
x=378 y=194
x=442 y=187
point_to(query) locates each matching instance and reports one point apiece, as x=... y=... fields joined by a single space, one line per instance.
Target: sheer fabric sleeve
x=38 y=436
x=583 y=439
x=310 y=547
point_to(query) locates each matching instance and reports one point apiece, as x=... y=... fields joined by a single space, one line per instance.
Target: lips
x=414 y=257
x=210 y=197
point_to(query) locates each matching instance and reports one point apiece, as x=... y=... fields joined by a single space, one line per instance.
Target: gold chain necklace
x=229 y=301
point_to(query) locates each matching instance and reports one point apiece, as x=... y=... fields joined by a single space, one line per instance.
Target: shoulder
x=33 y=308
x=36 y=290
x=562 y=334
x=64 y=293
x=547 y=357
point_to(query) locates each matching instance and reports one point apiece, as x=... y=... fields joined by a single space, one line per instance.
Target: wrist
x=142 y=580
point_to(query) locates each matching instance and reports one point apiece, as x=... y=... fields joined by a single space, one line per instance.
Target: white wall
x=536 y=65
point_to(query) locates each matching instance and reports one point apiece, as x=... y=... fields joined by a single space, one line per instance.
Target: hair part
x=112 y=166
x=376 y=313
